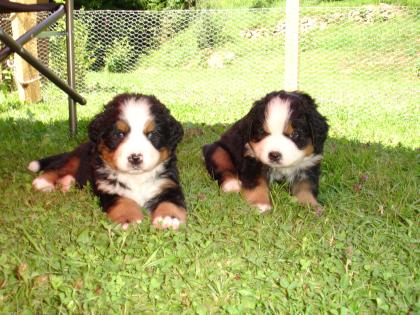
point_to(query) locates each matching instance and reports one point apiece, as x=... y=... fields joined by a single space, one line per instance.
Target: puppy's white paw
x=166 y=222
x=125 y=226
x=65 y=182
x=231 y=185
x=42 y=184
x=34 y=166
x=318 y=209
x=263 y=207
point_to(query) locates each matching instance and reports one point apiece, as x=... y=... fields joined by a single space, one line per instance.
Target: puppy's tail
x=48 y=163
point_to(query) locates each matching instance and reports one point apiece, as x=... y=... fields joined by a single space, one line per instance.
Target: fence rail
x=356 y=54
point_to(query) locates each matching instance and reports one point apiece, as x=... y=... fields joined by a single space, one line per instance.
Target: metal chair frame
x=16 y=46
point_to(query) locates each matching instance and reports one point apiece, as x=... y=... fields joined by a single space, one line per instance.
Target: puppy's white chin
x=279 y=165
x=138 y=171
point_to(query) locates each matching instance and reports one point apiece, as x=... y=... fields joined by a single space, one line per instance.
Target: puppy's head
x=284 y=128
x=135 y=133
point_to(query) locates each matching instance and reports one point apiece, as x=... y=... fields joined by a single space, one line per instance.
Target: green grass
x=59 y=253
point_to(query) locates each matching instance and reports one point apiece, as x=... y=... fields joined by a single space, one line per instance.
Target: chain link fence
x=364 y=56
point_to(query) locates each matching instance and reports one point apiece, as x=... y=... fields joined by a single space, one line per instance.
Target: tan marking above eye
x=288 y=130
x=149 y=127
x=122 y=126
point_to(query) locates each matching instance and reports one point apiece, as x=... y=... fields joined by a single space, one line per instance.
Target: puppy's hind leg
x=46 y=182
x=258 y=195
x=63 y=169
x=59 y=170
x=220 y=166
x=48 y=162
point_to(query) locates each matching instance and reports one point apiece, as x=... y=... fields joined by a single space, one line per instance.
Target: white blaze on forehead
x=276 y=119
x=277 y=114
x=136 y=113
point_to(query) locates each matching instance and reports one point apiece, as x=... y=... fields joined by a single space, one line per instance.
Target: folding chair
x=15 y=46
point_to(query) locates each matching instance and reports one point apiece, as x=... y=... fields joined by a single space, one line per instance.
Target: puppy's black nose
x=274 y=156
x=135 y=158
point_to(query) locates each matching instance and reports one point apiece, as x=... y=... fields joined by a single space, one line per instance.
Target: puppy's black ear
x=102 y=122
x=176 y=132
x=96 y=127
x=317 y=123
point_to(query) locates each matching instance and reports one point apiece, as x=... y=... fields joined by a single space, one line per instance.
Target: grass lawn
x=59 y=253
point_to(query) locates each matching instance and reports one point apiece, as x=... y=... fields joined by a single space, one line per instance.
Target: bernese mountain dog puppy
x=129 y=160
x=280 y=139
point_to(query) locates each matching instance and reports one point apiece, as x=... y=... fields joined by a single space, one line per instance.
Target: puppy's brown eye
x=148 y=134
x=261 y=133
x=119 y=134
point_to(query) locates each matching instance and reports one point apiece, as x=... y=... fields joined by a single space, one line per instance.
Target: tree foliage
x=134 y=4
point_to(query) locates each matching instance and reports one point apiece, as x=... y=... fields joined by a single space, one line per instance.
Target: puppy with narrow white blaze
x=130 y=161
x=281 y=138
x=277 y=149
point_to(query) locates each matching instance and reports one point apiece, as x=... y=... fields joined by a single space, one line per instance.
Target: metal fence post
x=70 y=65
x=291 y=59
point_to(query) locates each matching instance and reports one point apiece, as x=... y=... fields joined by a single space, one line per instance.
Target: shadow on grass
x=378 y=177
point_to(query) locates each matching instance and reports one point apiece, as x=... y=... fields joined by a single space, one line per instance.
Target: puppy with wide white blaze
x=130 y=161
x=280 y=139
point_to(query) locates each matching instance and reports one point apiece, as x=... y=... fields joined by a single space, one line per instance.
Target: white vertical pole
x=291 y=60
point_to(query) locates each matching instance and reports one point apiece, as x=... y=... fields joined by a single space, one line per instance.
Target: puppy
x=129 y=160
x=280 y=139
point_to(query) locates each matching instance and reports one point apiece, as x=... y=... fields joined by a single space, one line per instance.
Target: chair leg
x=70 y=65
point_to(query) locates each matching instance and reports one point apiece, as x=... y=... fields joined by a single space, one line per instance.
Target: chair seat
x=9 y=7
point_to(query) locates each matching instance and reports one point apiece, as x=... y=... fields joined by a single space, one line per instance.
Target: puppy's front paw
x=168 y=215
x=318 y=209
x=125 y=212
x=166 y=222
x=125 y=226
x=263 y=207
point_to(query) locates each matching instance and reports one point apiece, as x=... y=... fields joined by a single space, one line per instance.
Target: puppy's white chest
x=138 y=187
x=292 y=172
